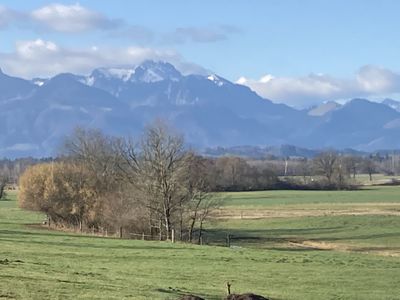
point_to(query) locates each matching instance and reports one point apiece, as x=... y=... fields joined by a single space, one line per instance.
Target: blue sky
x=298 y=52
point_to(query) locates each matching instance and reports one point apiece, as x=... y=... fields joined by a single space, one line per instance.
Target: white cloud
x=377 y=79
x=71 y=18
x=35 y=58
x=76 y=18
x=28 y=50
x=305 y=91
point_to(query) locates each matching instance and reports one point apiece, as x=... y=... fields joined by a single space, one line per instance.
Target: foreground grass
x=41 y=264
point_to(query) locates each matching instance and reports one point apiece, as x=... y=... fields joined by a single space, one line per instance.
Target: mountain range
x=35 y=115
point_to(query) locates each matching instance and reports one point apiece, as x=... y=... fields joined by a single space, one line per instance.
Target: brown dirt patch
x=320 y=245
x=227 y=213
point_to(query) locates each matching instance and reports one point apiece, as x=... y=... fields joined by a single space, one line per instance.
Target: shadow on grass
x=263 y=236
x=285 y=239
x=9 y=223
x=6 y=200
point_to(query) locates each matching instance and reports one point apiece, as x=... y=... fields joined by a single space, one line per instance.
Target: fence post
x=173 y=235
x=228 y=240
x=143 y=236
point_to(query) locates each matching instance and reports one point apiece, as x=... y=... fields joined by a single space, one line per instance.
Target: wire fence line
x=123 y=234
x=207 y=237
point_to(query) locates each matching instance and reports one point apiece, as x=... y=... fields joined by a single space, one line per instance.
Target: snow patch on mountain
x=123 y=74
x=38 y=82
x=151 y=76
x=216 y=79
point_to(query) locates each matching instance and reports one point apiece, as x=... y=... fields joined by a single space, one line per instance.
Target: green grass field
x=323 y=251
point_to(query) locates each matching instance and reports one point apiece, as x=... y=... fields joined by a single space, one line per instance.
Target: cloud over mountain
x=308 y=90
x=33 y=58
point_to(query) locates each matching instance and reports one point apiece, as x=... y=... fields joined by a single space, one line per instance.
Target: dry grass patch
x=384 y=209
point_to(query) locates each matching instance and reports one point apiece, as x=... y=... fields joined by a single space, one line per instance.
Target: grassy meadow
x=285 y=245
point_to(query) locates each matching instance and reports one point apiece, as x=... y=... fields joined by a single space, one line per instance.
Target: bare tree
x=325 y=165
x=163 y=166
x=231 y=173
x=98 y=152
x=351 y=165
x=119 y=209
x=3 y=182
x=197 y=192
x=304 y=169
x=369 y=166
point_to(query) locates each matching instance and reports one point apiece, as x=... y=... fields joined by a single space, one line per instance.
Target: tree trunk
x=329 y=179
x=190 y=238
x=194 y=221
x=167 y=218
x=151 y=227
x=167 y=227
x=1 y=191
x=181 y=225
x=200 y=232
x=120 y=232
x=160 y=230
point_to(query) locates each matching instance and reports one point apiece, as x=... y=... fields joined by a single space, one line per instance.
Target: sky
x=296 y=52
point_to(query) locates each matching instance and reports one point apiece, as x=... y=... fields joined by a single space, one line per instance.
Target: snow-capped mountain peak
x=152 y=71
x=147 y=72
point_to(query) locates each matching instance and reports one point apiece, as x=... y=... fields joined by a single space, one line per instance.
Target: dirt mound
x=245 y=297
x=190 y=297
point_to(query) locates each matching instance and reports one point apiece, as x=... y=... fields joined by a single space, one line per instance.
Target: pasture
x=285 y=245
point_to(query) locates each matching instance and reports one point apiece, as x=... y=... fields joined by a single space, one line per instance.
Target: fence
x=105 y=232
x=206 y=238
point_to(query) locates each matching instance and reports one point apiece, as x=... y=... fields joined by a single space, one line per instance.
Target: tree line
x=154 y=186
